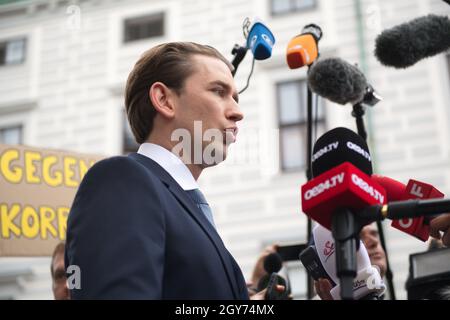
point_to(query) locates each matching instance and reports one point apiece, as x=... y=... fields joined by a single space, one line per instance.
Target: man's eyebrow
x=227 y=87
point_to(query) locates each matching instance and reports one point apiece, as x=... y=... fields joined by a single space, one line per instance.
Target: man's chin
x=214 y=161
x=214 y=154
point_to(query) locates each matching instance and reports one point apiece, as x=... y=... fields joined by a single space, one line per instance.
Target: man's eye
x=219 y=91
x=60 y=275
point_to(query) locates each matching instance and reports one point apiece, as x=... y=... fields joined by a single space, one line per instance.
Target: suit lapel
x=195 y=213
x=198 y=216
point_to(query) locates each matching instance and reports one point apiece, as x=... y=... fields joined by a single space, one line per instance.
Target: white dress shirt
x=171 y=163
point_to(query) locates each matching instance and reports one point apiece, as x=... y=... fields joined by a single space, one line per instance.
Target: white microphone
x=368 y=280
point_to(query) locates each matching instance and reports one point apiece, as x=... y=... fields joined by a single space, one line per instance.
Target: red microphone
x=397 y=191
x=418 y=227
x=344 y=186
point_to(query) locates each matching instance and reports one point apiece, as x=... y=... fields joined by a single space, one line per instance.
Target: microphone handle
x=345 y=229
x=358 y=113
x=239 y=53
x=272 y=293
x=417 y=208
x=404 y=209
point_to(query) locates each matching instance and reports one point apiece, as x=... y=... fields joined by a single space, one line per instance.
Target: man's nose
x=234 y=112
x=371 y=242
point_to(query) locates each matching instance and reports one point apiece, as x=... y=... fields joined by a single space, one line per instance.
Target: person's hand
x=262 y=294
x=251 y=289
x=441 y=223
x=258 y=270
x=323 y=288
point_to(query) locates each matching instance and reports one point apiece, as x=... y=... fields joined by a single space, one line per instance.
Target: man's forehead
x=213 y=68
x=58 y=257
x=370 y=228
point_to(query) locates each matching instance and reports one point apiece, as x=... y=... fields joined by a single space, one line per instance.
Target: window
x=287 y=6
x=12 y=52
x=144 y=27
x=129 y=144
x=11 y=135
x=292 y=106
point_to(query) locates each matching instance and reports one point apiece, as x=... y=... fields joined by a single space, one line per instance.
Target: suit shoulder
x=114 y=162
x=119 y=168
x=114 y=182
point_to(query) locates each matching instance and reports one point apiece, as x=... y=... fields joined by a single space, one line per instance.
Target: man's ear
x=162 y=99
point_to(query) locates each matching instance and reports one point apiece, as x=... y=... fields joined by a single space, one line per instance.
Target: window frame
x=19 y=126
x=292 y=8
x=160 y=16
x=4 y=45
x=301 y=124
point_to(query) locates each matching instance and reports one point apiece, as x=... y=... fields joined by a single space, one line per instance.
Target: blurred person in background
x=441 y=224
x=58 y=272
x=258 y=270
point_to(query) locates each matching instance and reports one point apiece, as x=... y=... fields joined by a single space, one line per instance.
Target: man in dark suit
x=139 y=227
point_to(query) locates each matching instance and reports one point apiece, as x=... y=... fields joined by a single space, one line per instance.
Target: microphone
x=260 y=40
x=333 y=197
x=337 y=146
x=406 y=209
x=342 y=187
x=418 y=227
x=368 y=283
x=341 y=166
x=338 y=81
x=303 y=49
x=343 y=83
x=272 y=264
x=404 y=45
x=397 y=191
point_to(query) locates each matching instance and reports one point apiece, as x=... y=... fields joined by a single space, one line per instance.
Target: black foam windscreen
x=337 y=146
x=273 y=263
x=404 y=45
x=337 y=80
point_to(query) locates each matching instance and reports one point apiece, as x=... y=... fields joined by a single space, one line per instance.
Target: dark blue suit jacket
x=136 y=234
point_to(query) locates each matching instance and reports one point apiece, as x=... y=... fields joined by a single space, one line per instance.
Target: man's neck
x=195 y=169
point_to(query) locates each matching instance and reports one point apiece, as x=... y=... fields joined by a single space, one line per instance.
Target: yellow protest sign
x=37 y=187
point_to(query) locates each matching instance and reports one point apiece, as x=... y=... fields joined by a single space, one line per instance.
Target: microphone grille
x=273 y=263
x=337 y=146
x=337 y=80
x=404 y=45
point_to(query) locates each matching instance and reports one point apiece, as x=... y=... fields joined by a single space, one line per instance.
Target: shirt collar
x=171 y=163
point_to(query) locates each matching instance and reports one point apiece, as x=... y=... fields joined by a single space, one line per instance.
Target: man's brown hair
x=169 y=63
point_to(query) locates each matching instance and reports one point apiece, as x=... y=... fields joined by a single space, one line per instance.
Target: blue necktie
x=199 y=199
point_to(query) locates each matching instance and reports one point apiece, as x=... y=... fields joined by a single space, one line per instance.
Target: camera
x=429 y=275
